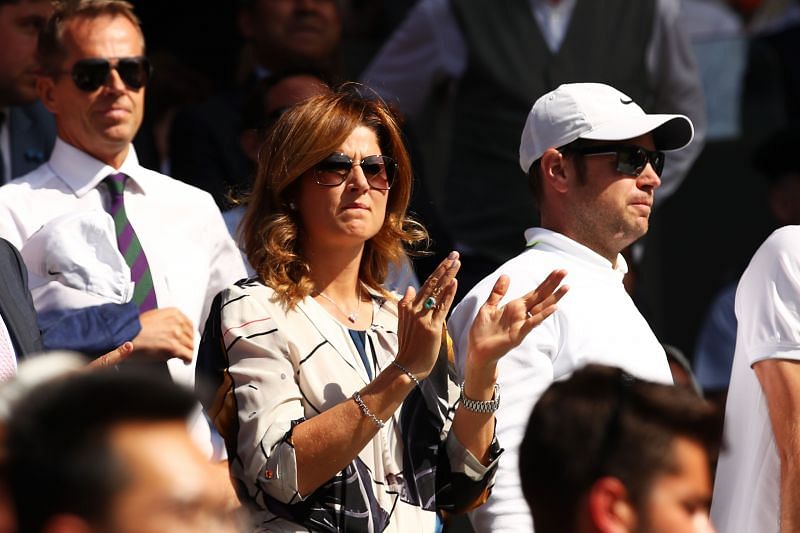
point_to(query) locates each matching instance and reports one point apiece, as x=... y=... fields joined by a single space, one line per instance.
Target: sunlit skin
x=349 y=214
x=292 y=32
x=19 y=33
x=172 y=486
x=337 y=221
x=679 y=500
x=103 y=122
x=607 y=212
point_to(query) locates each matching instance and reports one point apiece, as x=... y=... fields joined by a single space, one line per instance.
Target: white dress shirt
x=190 y=253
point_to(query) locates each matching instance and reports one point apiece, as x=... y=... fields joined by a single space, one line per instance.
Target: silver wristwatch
x=475 y=406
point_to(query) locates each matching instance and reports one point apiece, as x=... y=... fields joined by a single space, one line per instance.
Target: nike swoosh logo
x=626 y=102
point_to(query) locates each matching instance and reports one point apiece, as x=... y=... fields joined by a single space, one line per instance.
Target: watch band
x=489 y=406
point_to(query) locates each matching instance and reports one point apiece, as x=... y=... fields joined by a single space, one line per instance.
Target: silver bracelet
x=407 y=372
x=475 y=406
x=364 y=409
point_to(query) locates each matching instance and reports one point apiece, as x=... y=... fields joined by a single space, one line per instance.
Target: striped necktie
x=144 y=295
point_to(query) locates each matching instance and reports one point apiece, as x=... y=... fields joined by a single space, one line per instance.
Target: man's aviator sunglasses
x=380 y=170
x=90 y=74
x=631 y=159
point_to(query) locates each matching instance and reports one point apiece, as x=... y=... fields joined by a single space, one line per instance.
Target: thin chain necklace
x=352 y=317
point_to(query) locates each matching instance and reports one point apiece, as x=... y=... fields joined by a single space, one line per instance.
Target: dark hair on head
x=776 y=157
x=535 y=172
x=59 y=458
x=603 y=422
x=255 y=114
x=302 y=137
x=51 y=50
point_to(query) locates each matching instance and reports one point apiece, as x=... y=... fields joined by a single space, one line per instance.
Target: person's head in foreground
x=606 y=452
x=594 y=159
x=298 y=208
x=109 y=451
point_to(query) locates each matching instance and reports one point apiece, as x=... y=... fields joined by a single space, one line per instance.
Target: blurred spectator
x=90 y=452
x=499 y=58
x=27 y=130
x=606 y=452
x=745 y=104
x=268 y=100
x=282 y=35
x=172 y=86
x=776 y=162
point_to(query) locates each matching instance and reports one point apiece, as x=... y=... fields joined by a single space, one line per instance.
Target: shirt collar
x=536 y=236
x=82 y=172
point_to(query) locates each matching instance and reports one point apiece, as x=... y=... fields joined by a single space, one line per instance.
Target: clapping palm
x=498 y=329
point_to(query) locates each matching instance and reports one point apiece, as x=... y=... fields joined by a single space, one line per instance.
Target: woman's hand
x=496 y=330
x=422 y=315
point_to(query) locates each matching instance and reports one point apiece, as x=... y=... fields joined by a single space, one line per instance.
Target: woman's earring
x=292 y=206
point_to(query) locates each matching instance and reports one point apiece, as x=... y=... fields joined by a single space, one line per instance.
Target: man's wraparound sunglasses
x=380 y=170
x=90 y=74
x=631 y=159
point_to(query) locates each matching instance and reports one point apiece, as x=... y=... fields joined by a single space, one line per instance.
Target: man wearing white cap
x=593 y=158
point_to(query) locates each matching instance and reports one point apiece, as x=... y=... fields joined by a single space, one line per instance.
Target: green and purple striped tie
x=144 y=294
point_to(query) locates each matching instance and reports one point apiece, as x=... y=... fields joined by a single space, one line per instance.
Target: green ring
x=429 y=303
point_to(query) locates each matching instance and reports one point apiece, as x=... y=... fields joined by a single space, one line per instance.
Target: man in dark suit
x=27 y=129
x=16 y=305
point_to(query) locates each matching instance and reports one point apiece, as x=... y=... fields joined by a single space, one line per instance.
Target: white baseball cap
x=599 y=112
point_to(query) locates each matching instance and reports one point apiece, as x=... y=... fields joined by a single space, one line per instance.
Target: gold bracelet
x=364 y=409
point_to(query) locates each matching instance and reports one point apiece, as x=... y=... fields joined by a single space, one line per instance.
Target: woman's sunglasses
x=631 y=159
x=90 y=74
x=380 y=170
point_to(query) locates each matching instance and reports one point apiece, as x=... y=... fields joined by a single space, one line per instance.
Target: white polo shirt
x=596 y=322
x=747 y=487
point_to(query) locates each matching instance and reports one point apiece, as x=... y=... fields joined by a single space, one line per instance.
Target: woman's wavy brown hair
x=305 y=135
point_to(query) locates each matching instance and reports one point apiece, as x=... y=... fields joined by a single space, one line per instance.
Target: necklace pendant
x=352 y=317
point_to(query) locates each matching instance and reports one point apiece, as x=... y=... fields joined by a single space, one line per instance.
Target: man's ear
x=609 y=507
x=553 y=171
x=45 y=86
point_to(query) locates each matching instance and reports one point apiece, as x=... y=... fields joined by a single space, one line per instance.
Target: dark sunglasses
x=631 y=159
x=380 y=170
x=90 y=74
